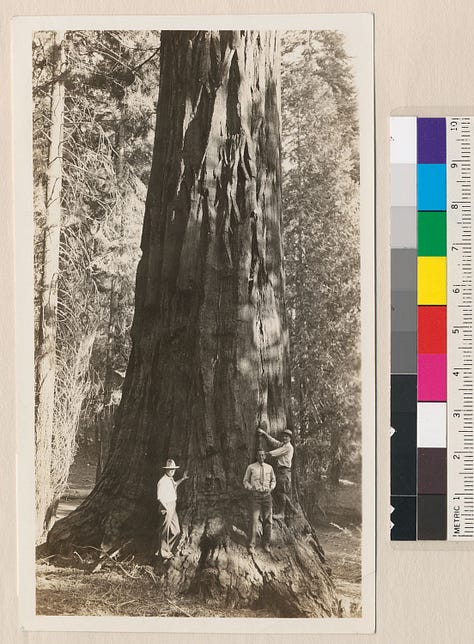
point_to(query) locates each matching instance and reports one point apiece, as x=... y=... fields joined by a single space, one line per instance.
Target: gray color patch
x=403 y=221
x=403 y=184
x=403 y=352
x=404 y=269
x=404 y=311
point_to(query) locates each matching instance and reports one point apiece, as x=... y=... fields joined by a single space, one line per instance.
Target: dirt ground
x=70 y=587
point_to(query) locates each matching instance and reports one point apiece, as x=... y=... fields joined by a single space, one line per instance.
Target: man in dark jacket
x=283 y=452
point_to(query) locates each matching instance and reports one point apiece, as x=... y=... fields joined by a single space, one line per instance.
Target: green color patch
x=431 y=234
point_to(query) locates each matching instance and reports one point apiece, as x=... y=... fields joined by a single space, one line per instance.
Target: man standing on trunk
x=166 y=495
x=283 y=453
x=260 y=480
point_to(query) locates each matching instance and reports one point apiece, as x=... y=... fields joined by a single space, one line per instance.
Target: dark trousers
x=261 y=506
x=283 y=490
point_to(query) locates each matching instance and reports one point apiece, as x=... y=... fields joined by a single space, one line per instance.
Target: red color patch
x=431 y=329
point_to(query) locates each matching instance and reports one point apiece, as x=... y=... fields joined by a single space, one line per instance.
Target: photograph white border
x=359 y=33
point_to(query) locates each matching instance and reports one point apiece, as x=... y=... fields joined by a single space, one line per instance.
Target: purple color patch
x=431 y=140
x=432 y=377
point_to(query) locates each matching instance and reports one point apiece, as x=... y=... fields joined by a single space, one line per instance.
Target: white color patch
x=403 y=139
x=431 y=424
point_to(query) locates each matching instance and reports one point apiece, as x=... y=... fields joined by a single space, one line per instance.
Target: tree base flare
x=292 y=580
x=212 y=562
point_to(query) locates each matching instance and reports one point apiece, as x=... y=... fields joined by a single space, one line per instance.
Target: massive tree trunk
x=46 y=342
x=210 y=340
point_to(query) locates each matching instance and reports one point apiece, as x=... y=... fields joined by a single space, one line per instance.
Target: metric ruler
x=460 y=273
x=432 y=339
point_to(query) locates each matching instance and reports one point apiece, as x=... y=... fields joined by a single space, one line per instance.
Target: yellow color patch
x=431 y=280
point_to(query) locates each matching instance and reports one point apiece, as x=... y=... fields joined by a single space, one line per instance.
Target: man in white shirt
x=166 y=495
x=260 y=480
x=283 y=453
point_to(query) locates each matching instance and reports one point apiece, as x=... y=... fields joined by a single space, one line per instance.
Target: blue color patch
x=431 y=187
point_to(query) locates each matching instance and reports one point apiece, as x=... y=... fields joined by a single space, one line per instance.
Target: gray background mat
x=424 y=50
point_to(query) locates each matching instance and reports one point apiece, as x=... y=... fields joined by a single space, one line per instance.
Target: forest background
x=94 y=119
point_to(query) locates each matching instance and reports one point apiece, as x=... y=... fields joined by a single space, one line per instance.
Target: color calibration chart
x=432 y=433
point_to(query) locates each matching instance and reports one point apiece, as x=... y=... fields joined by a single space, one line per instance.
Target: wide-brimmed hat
x=287 y=431
x=170 y=465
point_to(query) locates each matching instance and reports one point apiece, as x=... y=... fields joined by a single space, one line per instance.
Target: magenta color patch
x=432 y=377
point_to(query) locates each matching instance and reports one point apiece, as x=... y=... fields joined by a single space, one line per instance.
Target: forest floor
x=70 y=587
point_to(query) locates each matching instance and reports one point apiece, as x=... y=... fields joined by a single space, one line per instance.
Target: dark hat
x=170 y=465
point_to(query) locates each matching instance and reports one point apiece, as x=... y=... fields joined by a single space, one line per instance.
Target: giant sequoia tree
x=210 y=341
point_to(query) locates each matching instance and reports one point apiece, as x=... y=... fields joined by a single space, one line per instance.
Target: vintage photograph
x=199 y=436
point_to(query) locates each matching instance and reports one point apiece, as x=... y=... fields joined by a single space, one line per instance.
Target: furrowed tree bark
x=46 y=344
x=210 y=339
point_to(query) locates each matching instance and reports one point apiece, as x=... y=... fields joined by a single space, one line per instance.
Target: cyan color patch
x=431 y=186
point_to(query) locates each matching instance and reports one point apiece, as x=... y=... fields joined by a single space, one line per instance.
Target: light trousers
x=170 y=530
x=261 y=507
